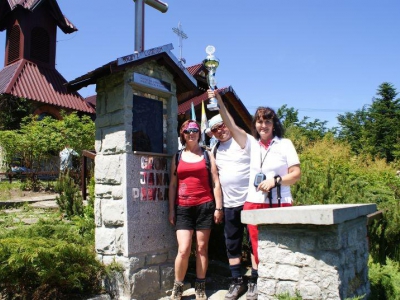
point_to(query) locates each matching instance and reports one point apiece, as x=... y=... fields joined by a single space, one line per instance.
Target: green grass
x=6 y=188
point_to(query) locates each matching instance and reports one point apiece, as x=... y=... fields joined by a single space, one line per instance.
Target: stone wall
x=131 y=211
x=328 y=262
x=318 y=251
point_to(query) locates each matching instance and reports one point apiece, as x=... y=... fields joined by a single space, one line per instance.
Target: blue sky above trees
x=323 y=58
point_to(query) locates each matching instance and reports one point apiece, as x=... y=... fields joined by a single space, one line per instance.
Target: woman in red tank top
x=193 y=206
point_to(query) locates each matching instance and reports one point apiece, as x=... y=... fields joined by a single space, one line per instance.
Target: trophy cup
x=211 y=63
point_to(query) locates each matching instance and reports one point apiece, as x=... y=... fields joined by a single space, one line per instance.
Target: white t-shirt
x=233 y=167
x=280 y=155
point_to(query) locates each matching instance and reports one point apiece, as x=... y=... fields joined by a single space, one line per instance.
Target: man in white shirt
x=233 y=163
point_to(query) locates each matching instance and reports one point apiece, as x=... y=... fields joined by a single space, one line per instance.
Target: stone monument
x=136 y=136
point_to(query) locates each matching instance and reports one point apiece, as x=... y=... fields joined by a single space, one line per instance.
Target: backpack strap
x=208 y=166
x=206 y=158
x=177 y=159
x=215 y=148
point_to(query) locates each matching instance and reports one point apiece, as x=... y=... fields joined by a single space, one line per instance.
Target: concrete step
x=211 y=295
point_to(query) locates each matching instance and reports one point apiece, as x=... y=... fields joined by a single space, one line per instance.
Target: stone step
x=211 y=295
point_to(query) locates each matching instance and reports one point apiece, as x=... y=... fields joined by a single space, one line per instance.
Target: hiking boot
x=177 y=291
x=200 y=290
x=236 y=289
x=252 y=292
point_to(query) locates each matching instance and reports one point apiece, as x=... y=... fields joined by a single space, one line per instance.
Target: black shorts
x=233 y=231
x=195 y=217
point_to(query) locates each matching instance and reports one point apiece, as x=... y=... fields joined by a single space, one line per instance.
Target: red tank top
x=193 y=184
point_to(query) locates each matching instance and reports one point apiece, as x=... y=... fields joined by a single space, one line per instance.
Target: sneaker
x=236 y=289
x=252 y=292
x=177 y=291
x=200 y=290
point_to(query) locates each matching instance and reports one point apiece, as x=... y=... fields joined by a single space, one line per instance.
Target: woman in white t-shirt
x=274 y=167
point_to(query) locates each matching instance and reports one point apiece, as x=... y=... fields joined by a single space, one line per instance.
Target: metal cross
x=179 y=32
x=139 y=19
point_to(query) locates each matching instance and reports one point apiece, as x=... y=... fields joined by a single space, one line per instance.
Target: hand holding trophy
x=211 y=63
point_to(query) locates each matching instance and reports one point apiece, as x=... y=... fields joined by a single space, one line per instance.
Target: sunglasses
x=216 y=128
x=191 y=130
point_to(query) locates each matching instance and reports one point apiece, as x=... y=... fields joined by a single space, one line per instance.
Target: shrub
x=385 y=280
x=48 y=260
x=70 y=199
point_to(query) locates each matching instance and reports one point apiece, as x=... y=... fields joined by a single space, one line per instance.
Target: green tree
x=37 y=140
x=383 y=125
x=288 y=116
x=310 y=130
x=352 y=129
x=375 y=130
x=12 y=111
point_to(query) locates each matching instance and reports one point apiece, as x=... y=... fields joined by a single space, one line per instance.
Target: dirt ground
x=18 y=194
x=21 y=195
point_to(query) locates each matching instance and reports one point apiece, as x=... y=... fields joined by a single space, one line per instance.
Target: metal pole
x=139 y=25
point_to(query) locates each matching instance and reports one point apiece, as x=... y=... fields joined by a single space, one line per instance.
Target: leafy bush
x=385 y=280
x=37 y=140
x=48 y=260
x=332 y=174
x=70 y=199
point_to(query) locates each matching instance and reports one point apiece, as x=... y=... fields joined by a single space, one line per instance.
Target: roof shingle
x=28 y=80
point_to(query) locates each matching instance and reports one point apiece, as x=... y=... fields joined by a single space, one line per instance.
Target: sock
x=236 y=270
x=200 y=280
x=254 y=273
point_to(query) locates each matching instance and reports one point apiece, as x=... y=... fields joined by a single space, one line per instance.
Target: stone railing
x=319 y=251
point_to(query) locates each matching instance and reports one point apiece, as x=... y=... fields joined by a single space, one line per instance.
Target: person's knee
x=184 y=252
x=202 y=249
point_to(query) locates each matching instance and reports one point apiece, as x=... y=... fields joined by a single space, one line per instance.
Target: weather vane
x=179 y=32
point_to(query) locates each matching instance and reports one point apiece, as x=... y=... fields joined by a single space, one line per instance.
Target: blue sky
x=322 y=57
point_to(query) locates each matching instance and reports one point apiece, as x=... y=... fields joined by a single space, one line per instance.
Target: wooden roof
x=26 y=79
x=232 y=102
x=8 y=6
x=162 y=55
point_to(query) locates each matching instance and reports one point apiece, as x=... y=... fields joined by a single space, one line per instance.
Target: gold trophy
x=211 y=63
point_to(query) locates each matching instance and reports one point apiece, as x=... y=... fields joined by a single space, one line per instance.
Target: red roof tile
x=91 y=100
x=187 y=105
x=28 y=80
x=193 y=70
x=184 y=107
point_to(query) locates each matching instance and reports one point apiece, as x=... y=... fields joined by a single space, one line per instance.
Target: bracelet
x=219 y=209
x=276 y=180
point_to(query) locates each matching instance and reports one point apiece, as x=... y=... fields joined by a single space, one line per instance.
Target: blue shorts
x=233 y=231
x=195 y=217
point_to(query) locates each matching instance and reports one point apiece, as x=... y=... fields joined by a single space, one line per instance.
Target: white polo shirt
x=276 y=160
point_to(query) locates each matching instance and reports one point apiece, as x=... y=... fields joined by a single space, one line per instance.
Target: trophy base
x=212 y=106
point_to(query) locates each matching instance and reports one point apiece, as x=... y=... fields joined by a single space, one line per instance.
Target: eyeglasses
x=219 y=127
x=191 y=130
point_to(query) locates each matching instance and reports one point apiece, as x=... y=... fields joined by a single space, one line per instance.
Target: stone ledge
x=308 y=214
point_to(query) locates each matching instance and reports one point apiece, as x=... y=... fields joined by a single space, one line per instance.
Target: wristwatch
x=220 y=209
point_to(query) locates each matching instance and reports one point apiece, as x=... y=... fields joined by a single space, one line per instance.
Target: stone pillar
x=319 y=251
x=131 y=205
